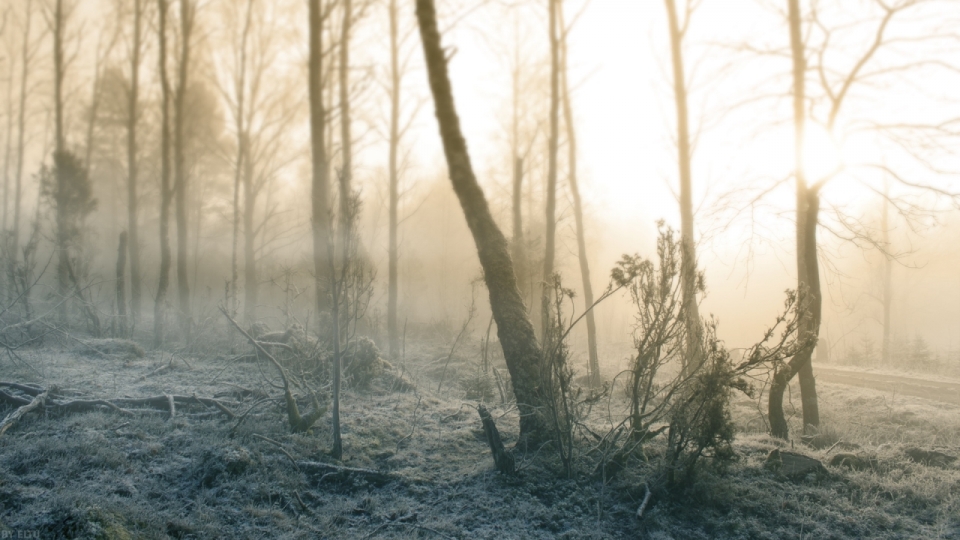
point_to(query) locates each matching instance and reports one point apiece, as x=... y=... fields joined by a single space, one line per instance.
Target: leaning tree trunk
x=594 y=361
x=688 y=261
x=520 y=348
x=808 y=270
x=165 y=191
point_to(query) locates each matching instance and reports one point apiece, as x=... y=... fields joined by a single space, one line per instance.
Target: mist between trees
x=181 y=172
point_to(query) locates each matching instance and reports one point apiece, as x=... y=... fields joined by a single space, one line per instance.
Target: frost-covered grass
x=111 y=476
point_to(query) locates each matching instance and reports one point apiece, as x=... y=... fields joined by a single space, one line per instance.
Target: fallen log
x=17 y=414
x=13 y=400
x=166 y=402
x=28 y=389
x=326 y=470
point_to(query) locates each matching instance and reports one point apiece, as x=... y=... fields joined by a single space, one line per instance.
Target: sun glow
x=822 y=153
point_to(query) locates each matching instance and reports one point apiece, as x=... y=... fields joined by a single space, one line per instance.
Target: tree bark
x=165 y=190
x=180 y=166
x=688 y=262
x=320 y=181
x=553 y=144
x=594 y=361
x=133 y=113
x=520 y=348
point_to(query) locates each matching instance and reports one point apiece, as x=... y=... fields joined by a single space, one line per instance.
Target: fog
x=292 y=178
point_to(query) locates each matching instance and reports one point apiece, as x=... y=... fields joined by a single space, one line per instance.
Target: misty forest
x=671 y=269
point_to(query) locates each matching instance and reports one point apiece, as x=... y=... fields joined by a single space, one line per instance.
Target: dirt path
x=948 y=392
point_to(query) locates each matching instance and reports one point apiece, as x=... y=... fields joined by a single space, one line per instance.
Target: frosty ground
x=200 y=475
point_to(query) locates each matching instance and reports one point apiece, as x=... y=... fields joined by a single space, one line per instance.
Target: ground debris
x=853 y=461
x=929 y=457
x=792 y=465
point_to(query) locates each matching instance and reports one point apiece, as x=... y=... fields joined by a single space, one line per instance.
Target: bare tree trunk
x=887 y=297
x=133 y=113
x=121 y=295
x=550 y=218
x=26 y=60
x=8 y=146
x=343 y=229
x=165 y=190
x=320 y=182
x=180 y=166
x=520 y=347
x=688 y=263
x=59 y=69
x=594 y=361
x=518 y=244
x=240 y=85
x=250 y=286
x=393 y=253
x=808 y=271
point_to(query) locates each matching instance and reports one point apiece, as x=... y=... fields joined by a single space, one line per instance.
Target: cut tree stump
x=504 y=460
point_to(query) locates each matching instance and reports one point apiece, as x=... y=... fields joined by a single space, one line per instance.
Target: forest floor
x=199 y=475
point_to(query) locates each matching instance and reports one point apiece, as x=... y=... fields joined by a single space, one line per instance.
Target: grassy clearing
x=103 y=475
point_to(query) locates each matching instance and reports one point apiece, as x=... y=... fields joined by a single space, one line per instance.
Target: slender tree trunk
x=594 y=362
x=121 y=295
x=133 y=114
x=251 y=290
x=320 y=182
x=25 y=61
x=887 y=297
x=393 y=250
x=520 y=347
x=553 y=144
x=688 y=263
x=344 y=233
x=240 y=87
x=165 y=189
x=180 y=166
x=808 y=271
x=8 y=146
x=59 y=68
x=518 y=244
